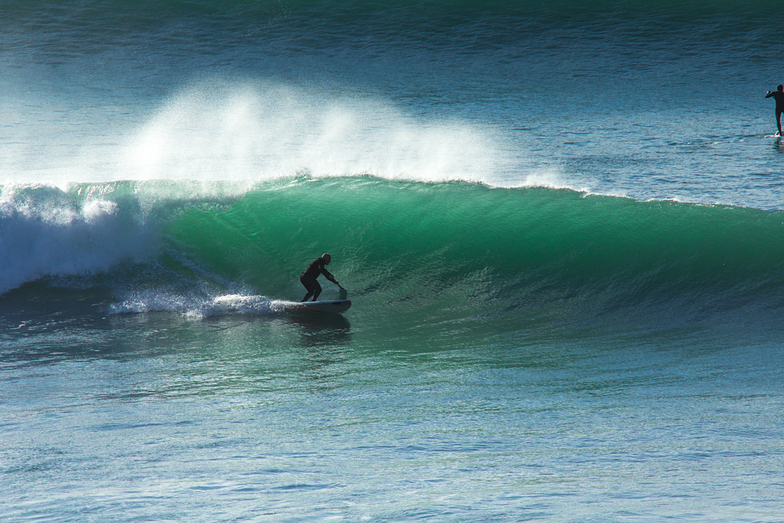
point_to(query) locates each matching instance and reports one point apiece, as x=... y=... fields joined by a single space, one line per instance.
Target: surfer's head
x=327 y=258
x=780 y=87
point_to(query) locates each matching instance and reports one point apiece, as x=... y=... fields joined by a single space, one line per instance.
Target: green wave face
x=450 y=251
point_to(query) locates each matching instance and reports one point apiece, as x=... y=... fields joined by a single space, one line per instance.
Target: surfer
x=778 y=95
x=309 y=276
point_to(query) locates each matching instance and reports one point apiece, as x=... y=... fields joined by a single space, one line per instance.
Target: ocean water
x=561 y=226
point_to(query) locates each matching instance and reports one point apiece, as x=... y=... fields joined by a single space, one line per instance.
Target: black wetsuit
x=309 y=277
x=779 y=97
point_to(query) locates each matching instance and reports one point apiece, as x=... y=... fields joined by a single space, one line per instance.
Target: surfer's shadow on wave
x=311 y=329
x=321 y=330
x=778 y=146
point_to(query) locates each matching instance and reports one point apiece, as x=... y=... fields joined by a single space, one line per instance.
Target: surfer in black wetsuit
x=309 y=276
x=778 y=95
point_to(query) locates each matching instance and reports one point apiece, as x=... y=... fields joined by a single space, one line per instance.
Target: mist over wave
x=261 y=133
x=253 y=131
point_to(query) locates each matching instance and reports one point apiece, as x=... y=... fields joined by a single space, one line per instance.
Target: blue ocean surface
x=560 y=224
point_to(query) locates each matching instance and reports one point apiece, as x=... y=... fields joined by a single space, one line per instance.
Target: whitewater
x=560 y=226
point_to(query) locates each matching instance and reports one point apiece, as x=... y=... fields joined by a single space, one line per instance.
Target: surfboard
x=331 y=306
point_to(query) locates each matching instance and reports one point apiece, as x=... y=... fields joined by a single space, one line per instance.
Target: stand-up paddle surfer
x=310 y=275
x=778 y=95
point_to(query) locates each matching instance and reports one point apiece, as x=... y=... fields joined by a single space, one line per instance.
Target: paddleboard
x=331 y=306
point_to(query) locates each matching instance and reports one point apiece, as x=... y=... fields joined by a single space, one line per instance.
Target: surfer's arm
x=769 y=94
x=329 y=276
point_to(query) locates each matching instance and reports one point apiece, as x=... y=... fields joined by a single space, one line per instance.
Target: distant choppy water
x=559 y=223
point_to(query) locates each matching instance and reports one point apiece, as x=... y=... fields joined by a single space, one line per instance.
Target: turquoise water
x=560 y=226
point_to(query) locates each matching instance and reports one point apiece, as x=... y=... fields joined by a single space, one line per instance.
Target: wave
x=450 y=251
x=88 y=229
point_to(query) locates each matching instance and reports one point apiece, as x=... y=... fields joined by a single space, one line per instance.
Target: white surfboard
x=331 y=306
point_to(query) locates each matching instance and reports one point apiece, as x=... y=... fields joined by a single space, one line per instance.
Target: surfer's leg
x=316 y=291
x=778 y=120
x=311 y=286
